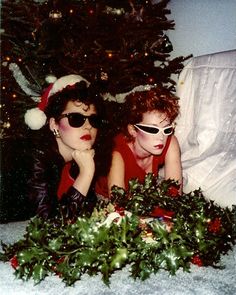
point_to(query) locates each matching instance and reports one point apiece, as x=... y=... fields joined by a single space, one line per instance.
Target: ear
x=132 y=130
x=52 y=124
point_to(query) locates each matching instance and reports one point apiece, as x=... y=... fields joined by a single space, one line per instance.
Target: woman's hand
x=85 y=160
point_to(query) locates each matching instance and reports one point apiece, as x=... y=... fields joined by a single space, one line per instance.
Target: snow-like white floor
x=200 y=281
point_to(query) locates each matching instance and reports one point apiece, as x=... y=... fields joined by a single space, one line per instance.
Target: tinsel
x=24 y=84
x=120 y=98
x=148 y=227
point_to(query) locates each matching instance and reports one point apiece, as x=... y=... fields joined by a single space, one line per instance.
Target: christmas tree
x=117 y=44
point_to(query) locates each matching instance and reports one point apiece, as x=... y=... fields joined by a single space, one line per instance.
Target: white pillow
x=206 y=128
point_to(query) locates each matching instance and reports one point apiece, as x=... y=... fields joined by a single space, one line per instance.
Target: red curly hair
x=157 y=99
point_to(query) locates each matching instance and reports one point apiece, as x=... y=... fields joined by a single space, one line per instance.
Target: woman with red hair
x=146 y=142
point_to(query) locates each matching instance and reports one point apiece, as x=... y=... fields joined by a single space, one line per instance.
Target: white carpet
x=201 y=280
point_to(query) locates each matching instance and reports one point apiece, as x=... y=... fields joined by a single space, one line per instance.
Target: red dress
x=132 y=169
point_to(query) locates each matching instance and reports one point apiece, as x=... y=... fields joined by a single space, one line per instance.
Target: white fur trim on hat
x=65 y=81
x=35 y=118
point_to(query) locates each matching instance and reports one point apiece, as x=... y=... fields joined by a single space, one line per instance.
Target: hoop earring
x=56 y=133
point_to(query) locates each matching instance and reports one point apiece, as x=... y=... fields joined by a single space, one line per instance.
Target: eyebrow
x=155 y=125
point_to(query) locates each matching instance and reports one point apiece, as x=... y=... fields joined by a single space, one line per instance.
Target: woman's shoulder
x=173 y=143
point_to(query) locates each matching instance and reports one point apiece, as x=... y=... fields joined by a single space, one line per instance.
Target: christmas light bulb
x=55 y=14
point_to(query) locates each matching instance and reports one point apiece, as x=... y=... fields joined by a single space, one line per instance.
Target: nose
x=87 y=124
x=161 y=135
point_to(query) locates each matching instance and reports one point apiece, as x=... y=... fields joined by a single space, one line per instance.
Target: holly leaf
x=55 y=244
x=25 y=256
x=119 y=258
x=39 y=273
x=87 y=257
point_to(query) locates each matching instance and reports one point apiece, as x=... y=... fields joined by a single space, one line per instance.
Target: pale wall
x=202 y=26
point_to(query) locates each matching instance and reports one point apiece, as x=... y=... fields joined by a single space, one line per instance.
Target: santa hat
x=35 y=118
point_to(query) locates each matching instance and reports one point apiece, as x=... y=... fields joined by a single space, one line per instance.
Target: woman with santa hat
x=70 y=117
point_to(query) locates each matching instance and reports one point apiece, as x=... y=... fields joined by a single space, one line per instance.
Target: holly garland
x=148 y=227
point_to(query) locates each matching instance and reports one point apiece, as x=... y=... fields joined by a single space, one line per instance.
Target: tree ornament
x=114 y=11
x=55 y=14
x=166 y=44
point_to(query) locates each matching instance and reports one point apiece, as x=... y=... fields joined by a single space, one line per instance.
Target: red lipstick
x=86 y=137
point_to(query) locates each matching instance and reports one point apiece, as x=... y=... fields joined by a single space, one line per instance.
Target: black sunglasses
x=77 y=120
x=150 y=129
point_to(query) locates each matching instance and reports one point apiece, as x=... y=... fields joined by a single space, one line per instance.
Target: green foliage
x=198 y=231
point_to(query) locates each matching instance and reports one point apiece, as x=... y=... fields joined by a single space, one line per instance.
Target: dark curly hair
x=140 y=102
